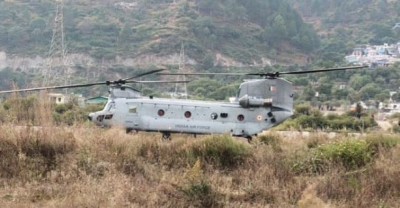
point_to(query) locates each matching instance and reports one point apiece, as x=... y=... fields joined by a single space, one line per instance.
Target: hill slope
x=246 y=32
x=363 y=22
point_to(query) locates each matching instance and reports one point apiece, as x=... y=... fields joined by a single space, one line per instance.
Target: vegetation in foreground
x=85 y=166
x=92 y=167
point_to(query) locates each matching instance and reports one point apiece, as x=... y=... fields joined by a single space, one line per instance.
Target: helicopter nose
x=90 y=116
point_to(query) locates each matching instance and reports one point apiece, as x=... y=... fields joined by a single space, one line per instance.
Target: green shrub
x=303 y=109
x=314 y=121
x=222 y=151
x=396 y=129
x=271 y=139
x=315 y=141
x=45 y=147
x=201 y=195
x=350 y=154
x=376 y=143
x=9 y=158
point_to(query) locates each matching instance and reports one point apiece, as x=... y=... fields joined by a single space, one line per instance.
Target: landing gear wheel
x=249 y=139
x=166 y=136
x=128 y=130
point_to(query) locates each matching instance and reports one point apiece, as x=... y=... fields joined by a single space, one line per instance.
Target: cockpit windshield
x=124 y=92
x=109 y=106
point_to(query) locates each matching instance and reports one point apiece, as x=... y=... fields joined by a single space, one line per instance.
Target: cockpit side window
x=111 y=106
x=133 y=109
x=238 y=92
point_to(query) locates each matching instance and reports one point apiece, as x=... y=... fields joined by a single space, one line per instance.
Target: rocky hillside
x=369 y=21
x=142 y=32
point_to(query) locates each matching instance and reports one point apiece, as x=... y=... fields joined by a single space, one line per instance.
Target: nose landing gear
x=166 y=136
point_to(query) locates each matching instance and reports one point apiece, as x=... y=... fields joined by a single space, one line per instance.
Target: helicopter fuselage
x=260 y=105
x=193 y=117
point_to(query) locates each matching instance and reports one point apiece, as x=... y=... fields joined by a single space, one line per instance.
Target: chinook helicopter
x=259 y=105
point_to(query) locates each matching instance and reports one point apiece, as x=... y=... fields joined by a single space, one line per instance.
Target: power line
x=56 y=69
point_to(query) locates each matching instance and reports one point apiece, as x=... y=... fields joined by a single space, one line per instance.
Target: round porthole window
x=240 y=117
x=188 y=114
x=161 y=112
x=214 y=116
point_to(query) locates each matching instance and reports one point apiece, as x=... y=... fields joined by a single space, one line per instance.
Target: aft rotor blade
x=53 y=87
x=143 y=74
x=179 y=74
x=151 y=82
x=324 y=70
x=277 y=74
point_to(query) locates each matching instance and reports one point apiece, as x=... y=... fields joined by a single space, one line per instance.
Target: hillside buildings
x=375 y=56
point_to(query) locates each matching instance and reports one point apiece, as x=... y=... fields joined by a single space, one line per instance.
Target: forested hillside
x=342 y=25
x=246 y=31
x=212 y=33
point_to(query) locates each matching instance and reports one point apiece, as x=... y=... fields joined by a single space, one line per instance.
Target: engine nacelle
x=248 y=102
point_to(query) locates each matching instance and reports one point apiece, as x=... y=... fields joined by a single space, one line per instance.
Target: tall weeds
x=48 y=165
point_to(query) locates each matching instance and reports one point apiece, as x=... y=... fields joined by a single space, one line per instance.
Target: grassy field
x=92 y=167
x=51 y=165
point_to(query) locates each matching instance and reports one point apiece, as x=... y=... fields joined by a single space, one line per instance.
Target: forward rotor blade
x=143 y=74
x=53 y=87
x=151 y=82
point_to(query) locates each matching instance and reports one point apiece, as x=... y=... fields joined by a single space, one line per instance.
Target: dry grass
x=85 y=166
x=92 y=167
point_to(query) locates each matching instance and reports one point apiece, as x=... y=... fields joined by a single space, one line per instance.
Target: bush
x=222 y=151
x=201 y=195
x=314 y=121
x=303 y=109
x=271 y=139
x=43 y=148
x=350 y=154
x=9 y=158
x=29 y=153
x=377 y=143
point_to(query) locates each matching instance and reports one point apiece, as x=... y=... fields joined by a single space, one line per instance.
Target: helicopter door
x=132 y=118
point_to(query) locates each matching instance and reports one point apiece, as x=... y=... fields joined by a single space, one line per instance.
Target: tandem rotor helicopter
x=259 y=105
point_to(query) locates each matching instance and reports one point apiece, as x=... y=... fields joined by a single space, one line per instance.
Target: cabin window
x=224 y=115
x=214 y=116
x=188 y=114
x=109 y=116
x=100 y=118
x=133 y=109
x=161 y=112
x=240 y=117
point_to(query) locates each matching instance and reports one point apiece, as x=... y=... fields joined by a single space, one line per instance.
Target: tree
x=358 y=110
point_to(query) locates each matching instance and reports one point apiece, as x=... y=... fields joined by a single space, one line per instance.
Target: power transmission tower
x=181 y=70
x=56 y=69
